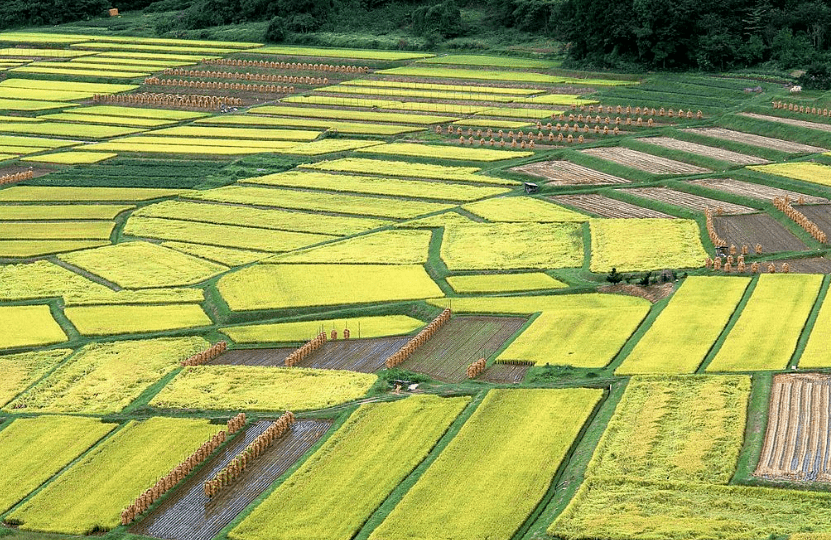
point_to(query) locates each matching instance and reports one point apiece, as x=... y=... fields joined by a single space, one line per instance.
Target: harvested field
x=752 y=229
x=808 y=265
x=755 y=140
x=363 y=355
x=798 y=433
x=789 y=121
x=704 y=150
x=189 y=515
x=504 y=374
x=754 y=191
x=819 y=214
x=643 y=161
x=565 y=173
x=459 y=343
x=688 y=200
x=606 y=207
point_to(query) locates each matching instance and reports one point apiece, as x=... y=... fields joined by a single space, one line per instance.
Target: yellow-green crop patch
x=496 y=283
x=184 y=58
x=137 y=265
x=53 y=230
x=377 y=186
x=32 y=105
x=363 y=462
x=765 y=336
x=222 y=255
x=586 y=338
x=66 y=129
x=361 y=116
x=95 y=88
x=683 y=333
x=254 y=388
x=436 y=220
x=523 y=209
x=416 y=93
x=437 y=107
x=83 y=194
x=557 y=99
x=279 y=286
x=358 y=54
x=17 y=249
x=52 y=212
x=271 y=240
x=350 y=128
x=104 y=320
x=815 y=173
x=816 y=350
x=369 y=327
x=80 y=115
x=385 y=247
x=107 y=297
x=139 y=112
x=91 y=495
x=484 y=60
x=340 y=101
x=406 y=169
x=645 y=244
x=239 y=133
x=34 y=449
x=481 y=74
x=488 y=246
x=21 y=370
x=177 y=49
x=34 y=142
x=168 y=145
x=42 y=53
x=72 y=158
x=256 y=217
x=526 y=305
x=160 y=63
x=442 y=87
x=28 y=326
x=76 y=72
x=324 y=202
x=328 y=146
x=499 y=466
x=104 y=378
x=434 y=151
x=518 y=112
x=10 y=92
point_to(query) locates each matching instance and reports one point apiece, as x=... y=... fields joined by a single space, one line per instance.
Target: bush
x=443 y=19
x=816 y=77
x=614 y=276
x=276 y=31
x=15 y=13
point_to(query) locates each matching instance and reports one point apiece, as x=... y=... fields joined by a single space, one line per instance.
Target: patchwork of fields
x=263 y=292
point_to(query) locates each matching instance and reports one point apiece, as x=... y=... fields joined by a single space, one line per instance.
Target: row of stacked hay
x=207 y=355
x=420 y=339
x=169 y=100
x=784 y=205
x=285 y=65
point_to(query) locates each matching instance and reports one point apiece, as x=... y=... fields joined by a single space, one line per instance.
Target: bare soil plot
x=188 y=514
x=653 y=293
x=754 y=191
x=789 y=121
x=752 y=229
x=756 y=140
x=363 y=355
x=819 y=214
x=607 y=207
x=688 y=200
x=566 y=173
x=704 y=150
x=459 y=343
x=797 y=439
x=504 y=374
x=643 y=161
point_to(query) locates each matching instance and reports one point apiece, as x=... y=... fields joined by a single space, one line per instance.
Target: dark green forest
x=631 y=35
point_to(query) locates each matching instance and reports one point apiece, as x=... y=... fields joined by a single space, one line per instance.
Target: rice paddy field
x=635 y=342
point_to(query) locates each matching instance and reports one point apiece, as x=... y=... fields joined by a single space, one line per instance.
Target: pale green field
x=23 y=369
x=135 y=319
x=495 y=283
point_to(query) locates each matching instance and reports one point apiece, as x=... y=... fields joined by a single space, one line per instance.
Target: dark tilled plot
x=819 y=214
x=810 y=265
x=459 y=343
x=752 y=229
x=189 y=515
x=363 y=355
x=253 y=357
x=504 y=374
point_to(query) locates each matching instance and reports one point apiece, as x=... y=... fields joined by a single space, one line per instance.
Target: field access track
x=798 y=434
x=188 y=514
x=752 y=229
x=459 y=343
